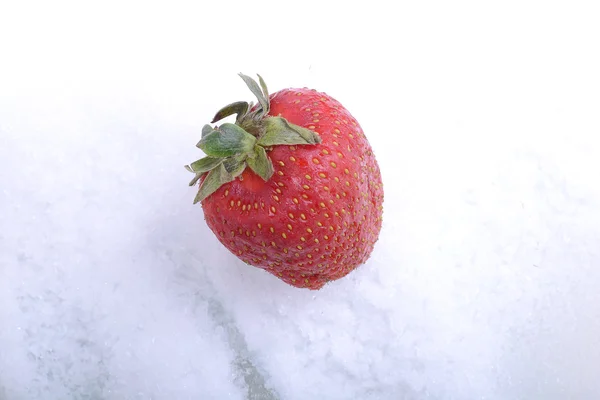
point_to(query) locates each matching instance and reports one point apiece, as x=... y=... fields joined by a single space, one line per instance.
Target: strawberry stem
x=230 y=148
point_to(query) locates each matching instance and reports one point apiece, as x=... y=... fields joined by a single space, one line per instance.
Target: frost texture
x=484 y=284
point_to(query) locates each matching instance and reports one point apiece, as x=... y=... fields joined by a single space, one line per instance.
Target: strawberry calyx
x=232 y=147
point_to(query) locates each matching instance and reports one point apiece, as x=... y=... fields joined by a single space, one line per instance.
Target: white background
x=484 y=284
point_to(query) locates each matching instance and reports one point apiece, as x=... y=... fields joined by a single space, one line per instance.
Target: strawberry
x=292 y=186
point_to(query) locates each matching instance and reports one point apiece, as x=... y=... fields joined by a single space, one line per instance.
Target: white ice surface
x=485 y=281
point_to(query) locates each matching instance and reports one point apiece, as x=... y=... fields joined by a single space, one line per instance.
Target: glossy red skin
x=305 y=235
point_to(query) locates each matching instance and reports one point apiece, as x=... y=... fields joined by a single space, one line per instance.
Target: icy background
x=485 y=283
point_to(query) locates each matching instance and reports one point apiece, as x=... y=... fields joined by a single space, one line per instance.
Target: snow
x=483 y=285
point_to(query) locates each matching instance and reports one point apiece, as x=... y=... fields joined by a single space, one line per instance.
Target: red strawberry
x=292 y=187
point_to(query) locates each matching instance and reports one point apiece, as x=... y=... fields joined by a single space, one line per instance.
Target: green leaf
x=263 y=85
x=193 y=181
x=214 y=180
x=233 y=163
x=239 y=107
x=278 y=131
x=237 y=170
x=255 y=89
x=261 y=164
x=204 y=164
x=206 y=129
x=228 y=140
